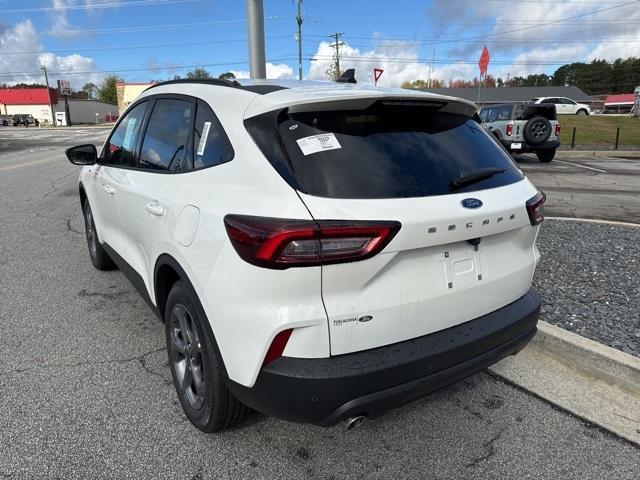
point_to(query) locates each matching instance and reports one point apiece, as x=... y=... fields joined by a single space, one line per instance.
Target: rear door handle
x=154 y=208
x=108 y=188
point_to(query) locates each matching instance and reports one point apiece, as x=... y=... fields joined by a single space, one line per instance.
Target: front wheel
x=197 y=371
x=582 y=111
x=546 y=156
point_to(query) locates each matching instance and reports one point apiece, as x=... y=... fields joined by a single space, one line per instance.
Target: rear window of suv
x=383 y=151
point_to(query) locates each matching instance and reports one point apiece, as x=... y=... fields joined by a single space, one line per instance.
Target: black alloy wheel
x=196 y=367
x=186 y=355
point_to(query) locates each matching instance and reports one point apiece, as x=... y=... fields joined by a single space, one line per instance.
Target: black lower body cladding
x=325 y=391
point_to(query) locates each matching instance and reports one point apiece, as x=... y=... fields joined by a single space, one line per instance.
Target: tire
x=99 y=257
x=582 y=111
x=192 y=353
x=545 y=156
x=537 y=130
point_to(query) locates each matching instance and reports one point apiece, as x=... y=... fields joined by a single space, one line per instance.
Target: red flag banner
x=377 y=73
x=483 y=63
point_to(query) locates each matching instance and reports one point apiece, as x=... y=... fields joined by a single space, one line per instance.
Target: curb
x=78 y=127
x=593 y=220
x=598 y=153
x=594 y=359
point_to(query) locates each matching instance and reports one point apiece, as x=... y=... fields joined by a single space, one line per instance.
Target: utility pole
x=255 y=25
x=299 y=20
x=46 y=80
x=337 y=44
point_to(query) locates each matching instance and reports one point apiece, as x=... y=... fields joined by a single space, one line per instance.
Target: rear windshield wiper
x=474 y=176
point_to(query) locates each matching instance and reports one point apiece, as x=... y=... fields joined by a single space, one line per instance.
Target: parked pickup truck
x=524 y=127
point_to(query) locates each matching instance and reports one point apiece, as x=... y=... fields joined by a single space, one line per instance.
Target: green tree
x=227 y=76
x=197 y=73
x=107 y=91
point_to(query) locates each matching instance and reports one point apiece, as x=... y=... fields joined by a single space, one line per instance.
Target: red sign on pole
x=483 y=63
x=377 y=73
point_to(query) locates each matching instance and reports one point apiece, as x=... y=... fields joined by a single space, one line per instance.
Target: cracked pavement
x=85 y=391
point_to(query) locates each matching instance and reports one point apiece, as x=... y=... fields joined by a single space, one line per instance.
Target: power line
x=416 y=43
x=99 y=6
x=134 y=47
x=171 y=26
x=141 y=69
x=440 y=61
x=553 y=22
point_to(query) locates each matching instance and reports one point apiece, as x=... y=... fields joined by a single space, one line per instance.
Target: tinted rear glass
x=385 y=151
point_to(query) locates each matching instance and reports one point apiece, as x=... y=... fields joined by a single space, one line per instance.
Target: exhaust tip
x=354 y=422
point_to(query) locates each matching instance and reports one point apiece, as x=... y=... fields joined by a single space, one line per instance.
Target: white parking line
x=583 y=166
x=19 y=165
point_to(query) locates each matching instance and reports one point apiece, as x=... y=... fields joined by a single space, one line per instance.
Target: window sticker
x=203 y=138
x=127 y=143
x=318 y=143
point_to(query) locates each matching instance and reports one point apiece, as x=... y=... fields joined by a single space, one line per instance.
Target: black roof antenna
x=349 y=76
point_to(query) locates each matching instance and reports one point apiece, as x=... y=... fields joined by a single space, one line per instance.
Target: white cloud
x=529 y=62
x=23 y=37
x=60 y=26
x=526 y=32
x=399 y=62
x=617 y=47
x=281 y=70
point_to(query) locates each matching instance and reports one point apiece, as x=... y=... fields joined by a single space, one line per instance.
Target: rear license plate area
x=462 y=265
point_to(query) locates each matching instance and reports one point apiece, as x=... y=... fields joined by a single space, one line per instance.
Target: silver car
x=524 y=127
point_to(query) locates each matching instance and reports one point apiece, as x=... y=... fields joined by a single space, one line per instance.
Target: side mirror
x=82 y=154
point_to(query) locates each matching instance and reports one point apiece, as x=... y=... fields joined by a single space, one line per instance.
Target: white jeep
x=316 y=252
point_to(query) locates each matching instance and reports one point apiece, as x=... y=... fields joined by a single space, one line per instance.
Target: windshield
x=384 y=151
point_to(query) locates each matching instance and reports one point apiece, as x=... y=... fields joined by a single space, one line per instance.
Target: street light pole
x=46 y=79
x=255 y=25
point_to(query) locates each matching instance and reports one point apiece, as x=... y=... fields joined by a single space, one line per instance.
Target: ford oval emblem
x=365 y=318
x=471 y=203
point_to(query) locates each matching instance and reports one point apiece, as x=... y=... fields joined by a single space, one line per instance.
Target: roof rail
x=208 y=81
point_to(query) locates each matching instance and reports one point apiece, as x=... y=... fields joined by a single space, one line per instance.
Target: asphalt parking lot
x=85 y=391
x=606 y=188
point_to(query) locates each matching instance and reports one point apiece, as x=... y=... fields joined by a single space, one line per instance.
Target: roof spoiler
x=349 y=76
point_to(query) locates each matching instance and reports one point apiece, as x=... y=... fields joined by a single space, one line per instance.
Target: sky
x=142 y=40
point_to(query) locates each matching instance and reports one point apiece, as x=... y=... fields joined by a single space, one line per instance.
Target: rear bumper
x=327 y=390
x=548 y=145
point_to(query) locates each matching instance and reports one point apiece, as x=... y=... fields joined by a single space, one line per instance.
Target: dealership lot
x=85 y=390
x=606 y=188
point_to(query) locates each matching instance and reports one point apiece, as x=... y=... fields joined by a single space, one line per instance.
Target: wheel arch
x=83 y=194
x=167 y=271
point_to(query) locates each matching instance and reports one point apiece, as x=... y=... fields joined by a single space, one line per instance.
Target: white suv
x=317 y=252
x=565 y=106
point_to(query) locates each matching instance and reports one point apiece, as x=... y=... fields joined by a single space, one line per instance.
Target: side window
x=548 y=100
x=483 y=114
x=120 y=150
x=504 y=112
x=166 y=140
x=210 y=144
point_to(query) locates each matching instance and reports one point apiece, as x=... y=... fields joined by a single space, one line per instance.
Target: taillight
x=509 y=130
x=283 y=243
x=557 y=129
x=535 y=208
x=277 y=346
